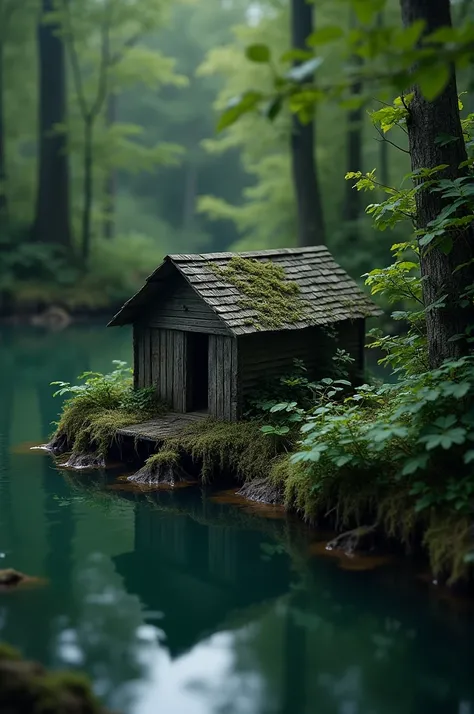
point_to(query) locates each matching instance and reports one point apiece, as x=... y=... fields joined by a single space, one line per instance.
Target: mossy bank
x=260 y=465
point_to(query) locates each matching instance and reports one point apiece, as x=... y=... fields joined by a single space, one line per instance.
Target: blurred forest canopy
x=109 y=155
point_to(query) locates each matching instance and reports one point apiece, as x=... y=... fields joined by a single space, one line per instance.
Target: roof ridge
x=184 y=257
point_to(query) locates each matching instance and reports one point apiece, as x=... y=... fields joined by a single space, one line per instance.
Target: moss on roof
x=265 y=289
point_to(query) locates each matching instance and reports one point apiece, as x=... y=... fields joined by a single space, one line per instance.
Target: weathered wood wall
x=181 y=308
x=160 y=360
x=238 y=366
x=223 y=377
x=267 y=355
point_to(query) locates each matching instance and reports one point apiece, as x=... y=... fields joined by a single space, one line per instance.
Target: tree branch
x=384 y=138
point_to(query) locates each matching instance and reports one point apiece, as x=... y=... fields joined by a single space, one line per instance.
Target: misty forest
x=110 y=158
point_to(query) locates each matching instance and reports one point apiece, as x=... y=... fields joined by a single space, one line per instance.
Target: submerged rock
x=262 y=491
x=27 y=688
x=357 y=540
x=84 y=461
x=11 y=578
x=53 y=318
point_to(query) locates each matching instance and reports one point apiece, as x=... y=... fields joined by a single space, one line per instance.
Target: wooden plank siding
x=223 y=378
x=267 y=355
x=181 y=308
x=160 y=360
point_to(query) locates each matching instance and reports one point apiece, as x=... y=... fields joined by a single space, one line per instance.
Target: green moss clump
x=239 y=448
x=87 y=427
x=166 y=457
x=266 y=290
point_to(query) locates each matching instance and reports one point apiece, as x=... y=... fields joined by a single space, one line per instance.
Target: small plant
x=103 y=403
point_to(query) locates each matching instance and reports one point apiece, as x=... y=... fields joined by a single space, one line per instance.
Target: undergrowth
x=95 y=409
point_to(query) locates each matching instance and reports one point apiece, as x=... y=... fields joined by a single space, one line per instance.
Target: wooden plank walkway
x=168 y=425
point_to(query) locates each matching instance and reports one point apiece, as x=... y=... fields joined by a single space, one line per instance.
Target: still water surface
x=183 y=604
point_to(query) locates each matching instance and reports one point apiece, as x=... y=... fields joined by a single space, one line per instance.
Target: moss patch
x=356 y=497
x=82 y=428
x=265 y=290
x=239 y=448
x=160 y=468
x=27 y=688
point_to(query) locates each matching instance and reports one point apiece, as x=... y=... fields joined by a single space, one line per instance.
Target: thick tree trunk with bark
x=426 y=121
x=52 y=221
x=311 y=229
x=3 y=166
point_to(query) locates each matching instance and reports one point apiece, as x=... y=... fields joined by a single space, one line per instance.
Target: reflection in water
x=177 y=602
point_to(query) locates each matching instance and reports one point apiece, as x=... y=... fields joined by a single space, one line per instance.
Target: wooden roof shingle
x=327 y=292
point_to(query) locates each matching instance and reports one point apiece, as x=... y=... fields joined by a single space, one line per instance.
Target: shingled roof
x=327 y=292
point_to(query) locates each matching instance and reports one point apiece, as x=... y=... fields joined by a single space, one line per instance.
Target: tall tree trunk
x=426 y=121
x=88 y=178
x=52 y=221
x=3 y=167
x=384 y=169
x=311 y=230
x=352 y=206
x=384 y=172
x=111 y=178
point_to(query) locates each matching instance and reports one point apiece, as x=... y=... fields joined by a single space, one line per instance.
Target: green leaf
x=258 y=53
x=304 y=71
x=412 y=465
x=296 y=55
x=325 y=35
x=237 y=107
x=432 y=80
x=469 y=456
x=366 y=10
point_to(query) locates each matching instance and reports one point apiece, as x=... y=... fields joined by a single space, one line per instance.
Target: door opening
x=197 y=372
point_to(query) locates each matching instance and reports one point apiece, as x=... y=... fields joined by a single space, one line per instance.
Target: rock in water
x=262 y=490
x=84 y=461
x=54 y=318
x=10 y=577
x=358 y=540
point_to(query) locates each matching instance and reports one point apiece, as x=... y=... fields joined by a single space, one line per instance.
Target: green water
x=176 y=604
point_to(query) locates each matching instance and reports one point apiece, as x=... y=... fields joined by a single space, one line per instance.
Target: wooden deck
x=168 y=425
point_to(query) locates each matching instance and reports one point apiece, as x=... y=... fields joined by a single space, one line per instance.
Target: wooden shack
x=205 y=337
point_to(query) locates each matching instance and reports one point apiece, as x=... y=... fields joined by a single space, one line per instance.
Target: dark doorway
x=197 y=372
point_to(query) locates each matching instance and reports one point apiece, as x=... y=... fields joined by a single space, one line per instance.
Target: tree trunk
x=111 y=178
x=52 y=223
x=426 y=121
x=384 y=172
x=88 y=189
x=3 y=167
x=352 y=207
x=311 y=230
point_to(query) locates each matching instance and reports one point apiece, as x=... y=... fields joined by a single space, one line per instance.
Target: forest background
x=110 y=157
